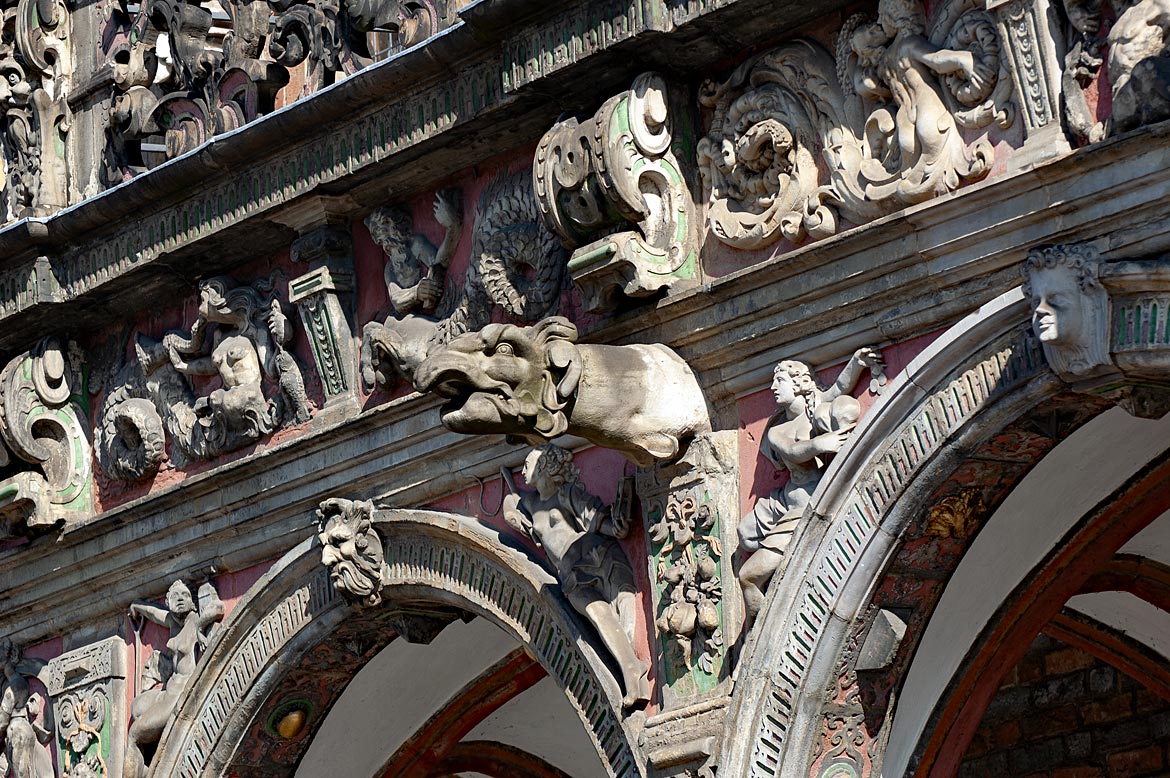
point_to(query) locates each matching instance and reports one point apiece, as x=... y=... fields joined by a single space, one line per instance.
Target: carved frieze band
x=1007 y=365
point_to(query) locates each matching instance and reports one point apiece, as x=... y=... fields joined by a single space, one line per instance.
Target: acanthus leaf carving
x=883 y=117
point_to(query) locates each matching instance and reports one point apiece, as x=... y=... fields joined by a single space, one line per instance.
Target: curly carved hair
x=390 y=225
x=557 y=463
x=1080 y=259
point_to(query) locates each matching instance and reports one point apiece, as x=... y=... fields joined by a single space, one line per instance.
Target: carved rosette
x=801 y=140
x=595 y=179
x=690 y=510
x=42 y=424
x=88 y=690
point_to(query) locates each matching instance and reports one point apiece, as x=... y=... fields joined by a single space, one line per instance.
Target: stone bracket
x=323 y=297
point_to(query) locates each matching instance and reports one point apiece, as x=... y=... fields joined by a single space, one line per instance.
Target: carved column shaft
x=324 y=298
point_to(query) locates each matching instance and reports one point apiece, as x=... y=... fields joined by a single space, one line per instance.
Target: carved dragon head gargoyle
x=536 y=383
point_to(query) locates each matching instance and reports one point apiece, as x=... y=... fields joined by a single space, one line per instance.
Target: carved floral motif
x=883 y=116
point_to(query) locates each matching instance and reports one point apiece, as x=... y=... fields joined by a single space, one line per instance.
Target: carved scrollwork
x=593 y=179
x=800 y=140
x=42 y=425
x=241 y=336
x=35 y=63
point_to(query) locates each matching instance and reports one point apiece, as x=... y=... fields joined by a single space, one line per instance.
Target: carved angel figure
x=191 y=627
x=810 y=424
x=577 y=531
x=25 y=754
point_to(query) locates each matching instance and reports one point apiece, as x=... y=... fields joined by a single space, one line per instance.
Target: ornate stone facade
x=284 y=284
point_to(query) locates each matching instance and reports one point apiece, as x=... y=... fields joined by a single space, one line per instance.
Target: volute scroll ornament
x=596 y=179
x=43 y=430
x=801 y=140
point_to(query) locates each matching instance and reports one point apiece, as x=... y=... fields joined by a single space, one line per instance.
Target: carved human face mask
x=1057 y=312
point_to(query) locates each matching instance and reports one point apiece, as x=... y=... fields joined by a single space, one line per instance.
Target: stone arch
x=985 y=371
x=440 y=566
x=958 y=431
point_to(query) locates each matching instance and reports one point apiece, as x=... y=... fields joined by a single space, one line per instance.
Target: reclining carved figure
x=535 y=383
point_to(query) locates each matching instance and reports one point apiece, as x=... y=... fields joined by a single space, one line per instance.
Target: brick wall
x=1063 y=714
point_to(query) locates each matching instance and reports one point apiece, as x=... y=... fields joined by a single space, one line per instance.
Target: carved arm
x=160 y=616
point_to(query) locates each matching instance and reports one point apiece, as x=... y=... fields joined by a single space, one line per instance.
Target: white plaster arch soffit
x=440 y=566
x=982 y=374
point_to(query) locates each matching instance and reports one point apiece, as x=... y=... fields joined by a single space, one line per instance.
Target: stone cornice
x=492 y=81
x=905 y=275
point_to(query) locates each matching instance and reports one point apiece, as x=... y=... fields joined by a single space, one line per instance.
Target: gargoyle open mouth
x=475 y=402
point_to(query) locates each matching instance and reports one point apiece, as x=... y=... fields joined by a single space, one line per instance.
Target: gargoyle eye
x=505 y=349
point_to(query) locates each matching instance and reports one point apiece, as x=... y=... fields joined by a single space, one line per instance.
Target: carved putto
x=614 y=192
x=577 y=532
x=536 y=383
x=1070 y=309
x=810 y=425
x=24 y=740
x=240 y=337
x=192 y=624
x=516 y=266
x=351 y=549
x=884 y=116
x=44 y=438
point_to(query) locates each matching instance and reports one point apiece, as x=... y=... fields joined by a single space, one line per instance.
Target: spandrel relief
x=45 y=454
x=801 y=139
x=192 y=623
x=240 y=340
x=811 y=424
x=537 y=383
x=611 y=187
x=516 y=268
x=578 y=534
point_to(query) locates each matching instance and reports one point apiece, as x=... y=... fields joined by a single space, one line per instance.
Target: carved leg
x=754 y=576
x=634 y=670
